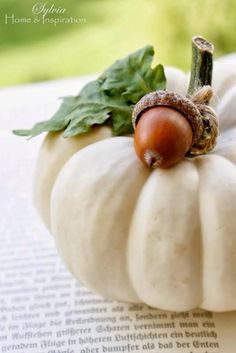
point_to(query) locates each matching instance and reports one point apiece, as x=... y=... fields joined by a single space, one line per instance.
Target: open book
x=43 y=309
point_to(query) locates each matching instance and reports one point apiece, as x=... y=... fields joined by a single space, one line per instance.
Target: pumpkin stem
x=202 y=64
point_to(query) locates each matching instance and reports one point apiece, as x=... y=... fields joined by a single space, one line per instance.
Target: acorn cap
x=172 y=100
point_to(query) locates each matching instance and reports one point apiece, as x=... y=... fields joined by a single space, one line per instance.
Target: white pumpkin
x=163 y=237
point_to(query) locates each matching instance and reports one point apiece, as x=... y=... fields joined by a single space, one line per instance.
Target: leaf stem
x=202 y=64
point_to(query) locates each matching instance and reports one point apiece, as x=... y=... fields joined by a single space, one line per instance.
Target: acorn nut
x=166 y=125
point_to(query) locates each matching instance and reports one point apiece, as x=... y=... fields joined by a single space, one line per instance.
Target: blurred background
x=105 y=31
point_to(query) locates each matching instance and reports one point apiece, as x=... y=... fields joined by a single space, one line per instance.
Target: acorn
x=166 y=126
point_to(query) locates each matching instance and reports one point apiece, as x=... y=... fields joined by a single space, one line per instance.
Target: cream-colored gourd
x=166 y=237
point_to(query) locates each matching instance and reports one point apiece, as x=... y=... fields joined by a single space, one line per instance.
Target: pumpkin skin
x=163 y=237
x=53 y=154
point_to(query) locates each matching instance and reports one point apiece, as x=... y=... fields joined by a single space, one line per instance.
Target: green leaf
x=133 y=77
x=108 y=100
x=58 y=122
